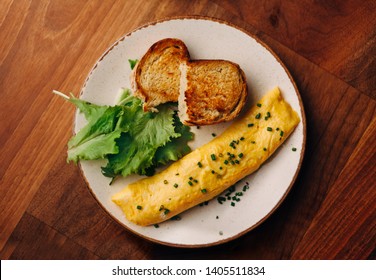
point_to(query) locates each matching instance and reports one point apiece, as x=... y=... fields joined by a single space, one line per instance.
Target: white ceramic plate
x=206 y=39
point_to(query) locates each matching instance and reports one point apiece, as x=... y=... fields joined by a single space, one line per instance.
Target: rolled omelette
x=212 y=168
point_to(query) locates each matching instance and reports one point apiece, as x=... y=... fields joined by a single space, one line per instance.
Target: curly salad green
x=132 y=141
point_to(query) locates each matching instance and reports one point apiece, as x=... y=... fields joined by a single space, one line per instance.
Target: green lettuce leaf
x=177 y=147
x=95 y=148
x=132 y=141
x=90 y=110
x=103 y=122
x=137 y=149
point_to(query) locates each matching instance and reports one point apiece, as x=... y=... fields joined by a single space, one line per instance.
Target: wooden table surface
x=46 y=210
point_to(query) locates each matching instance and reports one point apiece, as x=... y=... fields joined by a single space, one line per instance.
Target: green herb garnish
x=132 y=63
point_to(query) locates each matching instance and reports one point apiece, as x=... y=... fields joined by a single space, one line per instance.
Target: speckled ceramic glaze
x=205 y=38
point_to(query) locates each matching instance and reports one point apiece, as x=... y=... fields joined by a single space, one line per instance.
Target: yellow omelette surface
x=209 y=170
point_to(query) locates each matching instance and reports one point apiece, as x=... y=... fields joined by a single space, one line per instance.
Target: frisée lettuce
x=132 y=141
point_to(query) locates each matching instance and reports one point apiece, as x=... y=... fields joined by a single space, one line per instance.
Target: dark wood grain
x=352 y=229
x=339 y=36
x=47 y=212
x=44 y=244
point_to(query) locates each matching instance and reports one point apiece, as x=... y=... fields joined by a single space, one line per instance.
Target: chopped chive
x=231 y=189
x=213 y=134
x=258 y=105
x=281 y=133
x=139 y=207
x=232 y=204
x=194 y=180
x=250 y=124
x=264 y=149
x=221 y=199
x=226 y=161
x=253 y=142
x=156 y=226
x=237 y=162
x=294 y=149
x=191 y=178
x=240 y=155
x=190 y=183
x=176 y=185
x=242 y=138
x=268 y=114
x=220 y=167
x=213 y=172
x=166 y=211
x=277 y=128
x=213 y=157
x=199 y=164
x=258 y=116
x=269 y=129
x=203 y=190
x=176 y=218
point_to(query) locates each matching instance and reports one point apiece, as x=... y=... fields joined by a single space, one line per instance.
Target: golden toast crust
x=157 y=75
x=216 y=91
x=208 y=91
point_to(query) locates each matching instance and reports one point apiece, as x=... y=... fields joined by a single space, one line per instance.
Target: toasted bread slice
x=156 y=77
x=211 y=91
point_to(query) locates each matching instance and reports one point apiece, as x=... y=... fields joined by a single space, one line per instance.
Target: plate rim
x=302 y=112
